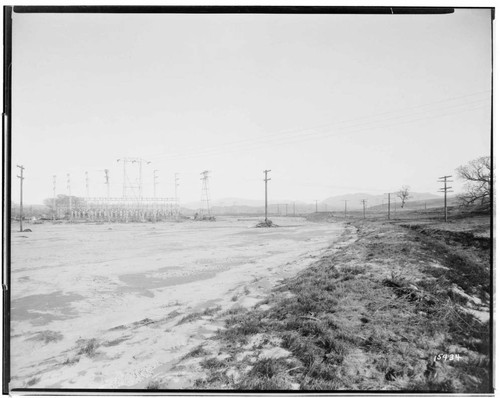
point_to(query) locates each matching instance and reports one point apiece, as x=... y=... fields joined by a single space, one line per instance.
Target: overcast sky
x=332 y=104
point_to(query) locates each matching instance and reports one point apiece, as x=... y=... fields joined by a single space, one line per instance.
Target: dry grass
x=370 y=317
x=198 y=315
x=87 y=347
x=153 y=385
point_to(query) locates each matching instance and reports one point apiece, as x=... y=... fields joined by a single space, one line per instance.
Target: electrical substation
x=132 y=206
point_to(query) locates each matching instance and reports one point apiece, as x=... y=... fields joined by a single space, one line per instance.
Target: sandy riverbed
x=99 y=306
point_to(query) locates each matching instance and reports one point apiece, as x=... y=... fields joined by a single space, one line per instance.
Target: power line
x=278 y=208
x=287 y=134
x=306 y=137
x=297 y=133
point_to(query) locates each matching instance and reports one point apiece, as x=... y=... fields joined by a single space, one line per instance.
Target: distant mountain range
x=229 y=202
x=419 y=204
x=251 y=206
x=355 y=199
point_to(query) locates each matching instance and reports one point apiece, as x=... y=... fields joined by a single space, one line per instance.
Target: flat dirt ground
x=114 y=305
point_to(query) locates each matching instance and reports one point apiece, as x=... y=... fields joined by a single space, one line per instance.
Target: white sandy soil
x=128 y=285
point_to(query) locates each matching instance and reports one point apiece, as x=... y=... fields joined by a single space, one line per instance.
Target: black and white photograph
x=281 y=199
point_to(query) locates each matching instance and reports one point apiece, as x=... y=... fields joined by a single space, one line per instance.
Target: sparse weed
x=153 y=385
x=115 y=342
x=198 y=315
x=196 y=352
x=71 y=361
x=87 y=347
x=172 y=314
x=235 y=310
x=190 y=318
x=213 y=363
x=266 y=374
x=211 y=311
x=33 y=381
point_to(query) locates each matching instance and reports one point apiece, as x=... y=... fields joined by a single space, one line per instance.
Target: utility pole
x=87 y=190
x=286 y=209
x=87 y=183
x=69 y=197
x=140 y=179
x=155 y=177
x=125 y=161
x=388 y=206
x=364 y=206
x=345 y=208
x=316 y=206
x=54 y=198
x=177 y=204
x=106 y=178
x=294 y=209
x=266 y=180
x=21 y=178
x=445 y=189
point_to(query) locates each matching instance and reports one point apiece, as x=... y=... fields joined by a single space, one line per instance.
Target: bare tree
x=477 y=174
x=404 y=194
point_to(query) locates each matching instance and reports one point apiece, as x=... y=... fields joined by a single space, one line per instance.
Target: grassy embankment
x=372 y=316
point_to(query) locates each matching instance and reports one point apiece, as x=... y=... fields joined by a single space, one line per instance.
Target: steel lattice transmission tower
x=205 y=194
x=132 y=188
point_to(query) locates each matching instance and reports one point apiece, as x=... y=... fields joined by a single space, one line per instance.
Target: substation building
x=120 y=209
x=133 y=206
